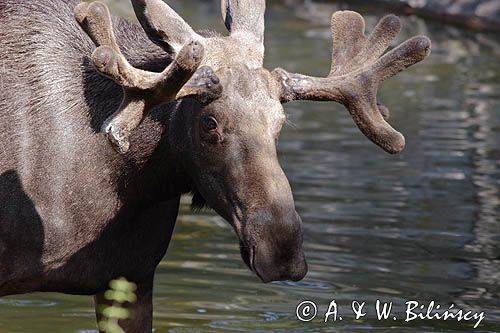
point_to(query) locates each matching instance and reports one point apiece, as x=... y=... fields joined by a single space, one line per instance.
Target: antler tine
x=163 y=25
x=245 y=16
x=94 y=18
x=351 y=48
x=143 y=90
x=356 y=71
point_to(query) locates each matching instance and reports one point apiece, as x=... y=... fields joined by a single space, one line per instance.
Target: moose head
x=229 y=141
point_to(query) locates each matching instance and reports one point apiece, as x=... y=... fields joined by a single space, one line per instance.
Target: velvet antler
x=143 y=90
x=163 y=25
x=243 y=18
x=356 y=72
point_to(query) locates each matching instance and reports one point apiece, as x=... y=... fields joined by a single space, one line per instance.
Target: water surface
x=423 y=225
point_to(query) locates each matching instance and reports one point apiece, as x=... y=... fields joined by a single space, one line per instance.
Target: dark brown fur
x=74 y=214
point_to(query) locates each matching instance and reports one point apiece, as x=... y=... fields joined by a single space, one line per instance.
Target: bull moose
x=104 y=125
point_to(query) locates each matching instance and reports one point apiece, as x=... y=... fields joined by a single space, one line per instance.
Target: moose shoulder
x=105 y=124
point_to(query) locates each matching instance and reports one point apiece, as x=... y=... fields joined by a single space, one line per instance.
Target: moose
x=105 y=123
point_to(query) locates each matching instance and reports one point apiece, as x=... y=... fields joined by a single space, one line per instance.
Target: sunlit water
x=423 y=225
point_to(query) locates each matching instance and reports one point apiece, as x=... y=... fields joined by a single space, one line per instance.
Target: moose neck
x=155 y=168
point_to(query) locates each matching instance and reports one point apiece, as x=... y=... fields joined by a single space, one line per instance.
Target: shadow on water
x=423 y=225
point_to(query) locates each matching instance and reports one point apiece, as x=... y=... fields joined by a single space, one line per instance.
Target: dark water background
x=423 y=225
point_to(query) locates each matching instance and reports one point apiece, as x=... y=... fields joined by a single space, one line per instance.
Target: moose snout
x=271 y=266
x=275 y=251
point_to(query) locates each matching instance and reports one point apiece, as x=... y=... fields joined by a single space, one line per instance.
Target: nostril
x=252 y=259
x=253 y=266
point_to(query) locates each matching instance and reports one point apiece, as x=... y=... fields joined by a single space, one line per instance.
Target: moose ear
x=245 y=16
x=163 y=25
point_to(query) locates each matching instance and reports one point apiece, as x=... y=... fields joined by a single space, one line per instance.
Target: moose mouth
x=271 y=247
x=293 y=269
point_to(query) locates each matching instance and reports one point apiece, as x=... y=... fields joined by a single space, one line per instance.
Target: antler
x=143 y=90
x=356 y=72
x=163 y=25
x=245 y=16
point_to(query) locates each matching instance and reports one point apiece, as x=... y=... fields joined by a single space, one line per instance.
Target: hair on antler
x=143 y=90
x=356 y=72
x=163 y=25
x=245 y=16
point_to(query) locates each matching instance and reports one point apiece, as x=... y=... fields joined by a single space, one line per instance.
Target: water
x=423 y=225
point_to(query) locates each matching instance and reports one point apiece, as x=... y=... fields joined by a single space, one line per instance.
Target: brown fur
x=74 y=212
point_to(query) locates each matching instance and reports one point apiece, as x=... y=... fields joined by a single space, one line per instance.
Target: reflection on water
x=423 y=225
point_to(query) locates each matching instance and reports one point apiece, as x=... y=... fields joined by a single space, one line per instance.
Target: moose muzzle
x=273 y=245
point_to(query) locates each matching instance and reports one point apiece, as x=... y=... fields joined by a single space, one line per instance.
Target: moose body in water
x=105 y=124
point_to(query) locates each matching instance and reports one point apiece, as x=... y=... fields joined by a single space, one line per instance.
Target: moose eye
x=209 y=123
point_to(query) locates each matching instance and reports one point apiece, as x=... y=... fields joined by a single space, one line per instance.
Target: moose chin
x=105 y=123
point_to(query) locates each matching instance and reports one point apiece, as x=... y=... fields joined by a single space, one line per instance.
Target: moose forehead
x=251 y=95
x=234 y=49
